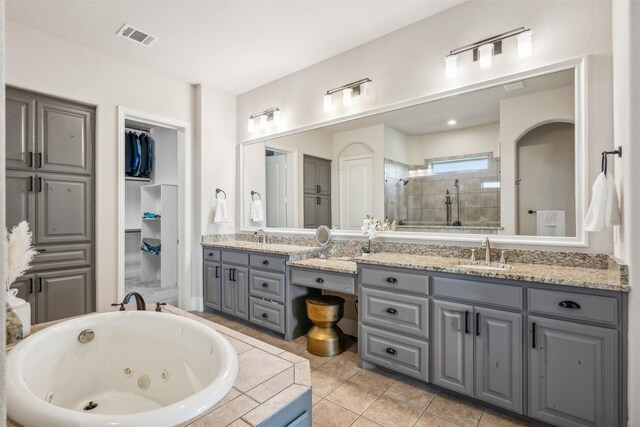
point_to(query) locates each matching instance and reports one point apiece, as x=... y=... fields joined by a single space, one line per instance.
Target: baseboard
x=349 y=326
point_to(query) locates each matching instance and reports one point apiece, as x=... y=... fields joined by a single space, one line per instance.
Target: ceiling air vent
x=136 y=35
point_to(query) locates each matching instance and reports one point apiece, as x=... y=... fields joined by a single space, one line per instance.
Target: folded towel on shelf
x=150 y=215
x=550 y=223
x=151 y=245
x=221 y=215
x=603 y=210
x=257 y=212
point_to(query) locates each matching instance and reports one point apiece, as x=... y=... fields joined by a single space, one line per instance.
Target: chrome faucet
x=140 y=304
x=487 y=249
x=262 y=233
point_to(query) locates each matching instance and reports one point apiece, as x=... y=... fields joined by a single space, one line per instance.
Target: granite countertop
x=612 y=279
x=265 y=248
x=269 y=378
x=343 y=265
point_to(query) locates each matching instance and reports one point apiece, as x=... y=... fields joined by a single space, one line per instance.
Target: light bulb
x=452 y=122
x=277 y=117
x=485 y=55
x=525 y=47
x=346 y=97
x=451 y=67
x=367 y=90
x=263 y=121
x=328 y=102
x=251 y=125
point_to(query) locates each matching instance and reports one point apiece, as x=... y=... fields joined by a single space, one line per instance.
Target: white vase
x=22 y=309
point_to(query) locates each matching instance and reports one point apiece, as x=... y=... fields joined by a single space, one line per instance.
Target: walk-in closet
x=151 y=211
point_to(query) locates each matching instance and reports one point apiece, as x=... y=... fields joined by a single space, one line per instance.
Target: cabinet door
x=65 y=137
x=26 y=290
x=241 y=284
x=453 y=346
x=212 y=285
x=65 y=211
x=498 y=361
x=20 y=128
x=573 y=373
x=323 y=211
x=310 y=220
x=227 y=292
x=323 y=177
x=20 y=198
x=65 y=293
x=310 y=171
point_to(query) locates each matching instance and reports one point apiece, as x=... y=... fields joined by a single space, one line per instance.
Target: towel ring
x=218 y=191
x=255 y=193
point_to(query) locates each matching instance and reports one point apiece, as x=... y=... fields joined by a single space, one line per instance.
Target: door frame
x=340 y=195
x=185 y=178
x=291 y=165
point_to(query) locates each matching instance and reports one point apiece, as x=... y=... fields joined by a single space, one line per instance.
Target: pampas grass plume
x=19 y=253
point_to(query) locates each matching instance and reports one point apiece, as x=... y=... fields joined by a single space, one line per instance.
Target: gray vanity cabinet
x=498 y=358
x=62 y=294
x=20 y=130
x=20 y=198
x=235 y=291
x=212 y=285
x=317 y=192
x=452 y=345
x=573 y=373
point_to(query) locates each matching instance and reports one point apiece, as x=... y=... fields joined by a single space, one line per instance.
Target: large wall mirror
x=501 y=159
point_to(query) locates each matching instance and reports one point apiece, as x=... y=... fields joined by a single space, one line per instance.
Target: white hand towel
x=257 y=213
x=550 y=223
x=221 y=215
x=603 y=211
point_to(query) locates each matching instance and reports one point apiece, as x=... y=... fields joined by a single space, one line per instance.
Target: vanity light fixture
x=266 y=118
x=361 y=87
x=484 y=50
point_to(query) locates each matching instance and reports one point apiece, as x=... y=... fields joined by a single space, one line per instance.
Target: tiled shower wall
x=424 y=197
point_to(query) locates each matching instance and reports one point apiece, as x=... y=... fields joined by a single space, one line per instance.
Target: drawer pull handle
x=569 y=304
x=392 y=280
x=265 y=262
x=466 y=322
x=533 y=335
x=265 y=285
x=217 y=272
x=392 y=310
x=265 y=315
x=391 y=350
x=477 y=324
x=210 y=253
x=319 y=280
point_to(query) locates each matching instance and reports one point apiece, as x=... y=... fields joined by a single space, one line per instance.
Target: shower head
x=455 y=183
x=404 y=181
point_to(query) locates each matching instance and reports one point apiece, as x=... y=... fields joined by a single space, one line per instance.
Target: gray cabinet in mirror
x=499 y=159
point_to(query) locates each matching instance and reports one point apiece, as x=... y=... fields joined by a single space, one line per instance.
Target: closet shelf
x=136 y=178
x=151 y=219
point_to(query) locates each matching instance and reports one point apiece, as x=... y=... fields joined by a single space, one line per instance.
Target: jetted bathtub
x=137 y=369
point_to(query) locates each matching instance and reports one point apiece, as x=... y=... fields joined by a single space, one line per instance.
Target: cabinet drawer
x=478 y=292
x=411 y=282
x=266 y=262
x=267 y=285
x=209 y=254
x=575 y=306
x=238 y=258
x=395 y=311
x=322 y=280
x=267 y=314
x=63 y=256
x=408 y=356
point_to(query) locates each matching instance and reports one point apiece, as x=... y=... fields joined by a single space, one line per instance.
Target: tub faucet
x=487 y=249
x=262 y=233
x=140 y=304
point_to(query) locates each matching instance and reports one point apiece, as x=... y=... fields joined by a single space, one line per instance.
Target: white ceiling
x=233 y=45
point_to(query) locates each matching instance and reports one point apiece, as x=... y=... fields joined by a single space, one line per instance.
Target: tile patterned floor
x=346 y=395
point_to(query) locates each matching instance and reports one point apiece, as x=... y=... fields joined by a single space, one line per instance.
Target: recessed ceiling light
x=452 y=122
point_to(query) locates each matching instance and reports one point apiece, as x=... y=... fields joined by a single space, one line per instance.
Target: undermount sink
x=492 y=266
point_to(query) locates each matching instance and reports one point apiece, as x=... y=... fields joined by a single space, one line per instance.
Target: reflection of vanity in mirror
x=497 y=160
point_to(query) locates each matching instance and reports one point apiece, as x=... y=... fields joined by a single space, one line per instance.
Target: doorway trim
x=184 y=200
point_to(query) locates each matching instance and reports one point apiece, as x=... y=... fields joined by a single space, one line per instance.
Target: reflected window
x=459 y=165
